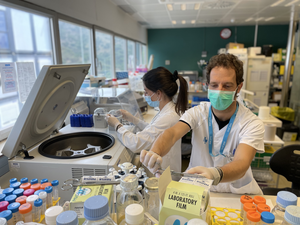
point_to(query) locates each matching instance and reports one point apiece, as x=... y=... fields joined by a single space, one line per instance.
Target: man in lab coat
x=226 y=134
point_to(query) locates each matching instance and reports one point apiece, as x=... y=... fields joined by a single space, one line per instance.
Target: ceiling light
x=249 y=19
x=291 y=3
x=270 y=18
x=197 y=6
x=183 y=6
x=219 y=5
x=193 y=21
x=183 y=21
x=170 y=7
x=277 y=3
x=174 y=21
x=258 y=19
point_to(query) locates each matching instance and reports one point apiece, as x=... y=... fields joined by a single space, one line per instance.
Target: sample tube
x=14 y=208
x=55 y=184
x=43 y=196
x=49 y=196
x=26 y=212
x=37 y=210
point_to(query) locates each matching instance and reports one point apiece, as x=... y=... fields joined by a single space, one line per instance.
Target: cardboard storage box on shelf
x=253 y=51
x=234 y=45
x=276 y=95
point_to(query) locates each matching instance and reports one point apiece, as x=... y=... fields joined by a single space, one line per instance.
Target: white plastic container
x=31 y=200
x=292 y=215
x=43 y=196
x=134 y=215
x=3 y=221
x=196 y=222
x=67 y=218
x=52 y=213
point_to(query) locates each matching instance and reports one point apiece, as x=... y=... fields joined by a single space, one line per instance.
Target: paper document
x=8 y=77
x=26 y=79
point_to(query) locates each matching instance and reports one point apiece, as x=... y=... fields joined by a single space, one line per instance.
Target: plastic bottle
x=24 y=180
x=3 y=205
x=196 y=222
x=34 y=181
x=284 y=199
x=151 y=197
x=55 y=184
x=46 y=184
x=43 y=196
x=8 y=191
x=7 y=214
x=13 y=180
x=115 y=82
x=259 y=200
x=49 y=201
x=21 y=199
x=3 y=221
x=26 y=212
x=248 y=207
x=15 y=185
x=18 y=192
x=2 y=197
x=291 y=215
x=44 y=181
x=52 y=213
x=129 y=195
x=96 y=211
x=28 y=192
x=253 y=218
x=31 y=199
x=67 y=218
x=267 y=218
x=134 y=215
x=245 y=199
x=14 y=208
x=10 y=198
x=24 y=183
x=37 y=210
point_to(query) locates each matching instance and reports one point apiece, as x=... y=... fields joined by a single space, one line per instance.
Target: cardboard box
x=276 y=96
x=253 y=51
x=276 y=57
x=234 y=45
x=82 y=193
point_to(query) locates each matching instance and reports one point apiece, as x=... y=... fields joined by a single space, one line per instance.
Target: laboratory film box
x=82 y=193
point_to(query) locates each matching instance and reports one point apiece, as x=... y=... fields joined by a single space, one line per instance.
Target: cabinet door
x=261 y=98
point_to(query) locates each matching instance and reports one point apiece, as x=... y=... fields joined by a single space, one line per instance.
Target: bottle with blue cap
x=49 y=201
x=2 y=197
x=10 y=198
x=24 y=180
x=8 y=191
x=34 y=181
x=96 y=211
x=38 y=192
x=44 y=181
x=13 y=180
x=14 y=208
x=291 y=215
x=267 y=218
x=7 y=214
x=67 y=218
x=284 y=199
x=55 y=184
x=18 y=192
x=15 y=185
x=37 y=210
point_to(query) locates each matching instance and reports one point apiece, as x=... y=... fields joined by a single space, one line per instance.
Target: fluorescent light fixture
x=183 y=21
x=291 y=3
x=249 y=19
x=183 y=6
x=197 y=6
x=258 y=19
x=174 y=21
x=277 y=3
x=270 y=18
x=193 y=21
x=170 y=7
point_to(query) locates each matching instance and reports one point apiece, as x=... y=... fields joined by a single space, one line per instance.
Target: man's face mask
x=221 y=100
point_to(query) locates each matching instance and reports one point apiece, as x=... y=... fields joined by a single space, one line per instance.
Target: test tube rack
x=225 y=216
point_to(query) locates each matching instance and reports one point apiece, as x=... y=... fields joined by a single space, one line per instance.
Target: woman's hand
x=128 y=116
x=112 y=121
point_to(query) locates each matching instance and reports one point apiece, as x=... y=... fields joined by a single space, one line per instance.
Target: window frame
x=126 y=66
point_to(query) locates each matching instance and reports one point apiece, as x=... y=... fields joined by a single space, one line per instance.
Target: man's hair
x=226 y=61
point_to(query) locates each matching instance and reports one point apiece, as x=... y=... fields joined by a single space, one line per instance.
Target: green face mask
x=220 y=100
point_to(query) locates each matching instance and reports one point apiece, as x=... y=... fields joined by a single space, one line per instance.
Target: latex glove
x=112 y=121
x=151 y=160
x=128 y=116
x=210 y=173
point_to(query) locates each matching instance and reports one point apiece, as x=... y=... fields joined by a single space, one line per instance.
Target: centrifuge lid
x=46 y=107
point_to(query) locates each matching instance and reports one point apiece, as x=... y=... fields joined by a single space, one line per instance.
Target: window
x=138 y=54
x=120 y=54
x=24 y=37
x=130 y=56
x=144 y=55
x=104 y=54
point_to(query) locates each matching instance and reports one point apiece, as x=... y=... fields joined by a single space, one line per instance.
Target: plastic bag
x=284 y=113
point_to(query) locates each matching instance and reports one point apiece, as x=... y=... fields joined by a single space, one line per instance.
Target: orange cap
x=25 y=186
x=253 y=216
x=259 y=200
x=263 y=208
x=36 y=186
x=45 y=185
x=249 y=207
x=246 y=199
x=25 y=208
x=21 y=199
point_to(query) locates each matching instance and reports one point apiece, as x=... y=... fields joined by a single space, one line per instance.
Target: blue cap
x=38 y=202
x=38 y=191
x=11 y=198
x=267 y=217
x=34 y=181
x=8 y=191
x=15 y=185
x=54 y=182
x=67 y=218
x=285 y=198
x=48 y=189
x=96 y=208
x=44 y=181
x=24 y=180
x=7 y=214
x=18 y=192
x=292 y=214
x=2 y=197
x=14 y=207
x=13 y=180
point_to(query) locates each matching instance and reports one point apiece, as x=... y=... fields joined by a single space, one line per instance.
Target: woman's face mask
x=150 y=102
x=221 y=100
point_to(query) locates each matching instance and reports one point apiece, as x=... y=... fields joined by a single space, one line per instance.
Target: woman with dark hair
x=160 y=89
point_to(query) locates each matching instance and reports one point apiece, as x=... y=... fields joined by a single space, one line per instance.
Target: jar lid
x=48 y=189
x=259 y=200
x=129 y=181
x=38 y=192
x=292 y=214
x=10 y=198
x=96 y=208
x=8 y=191
x=15 y=185
x=51 y=213
x=14 y=207
x=18 y=192
x=25 y=208
x=249 y=207
x=285 y=198
x=44 y=181
x=36 y=186
x=3 y=205
x=34 y=181
x=7 y=214
x=21 y=199
x=67 y=218
x=24 y=180
x=253 y=216
x=46 y=184
x=267 y=217
x=151 y=183
x=54 y=182
x=25 y=186
x=31 y=199
x=3 y=221
x=28 y=192
x=246 y=199
x=134 y=214
x=263 y=208
x=2 y=197
x=13 y=180
x=38 y=202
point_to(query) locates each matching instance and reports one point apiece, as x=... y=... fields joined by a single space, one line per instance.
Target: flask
x=196 y=221
x=67 y=218
x=267 y=218
x=291 y=215
x=129 y=195
x=134 y=215
x=52 y=213
x=49 y=202
x=151 y=197
x=55 y=184
x=253 y=218
x=3 y=221
x=37 y=210
x=245 y=199
x=7 y=214
x=26 y=212
x=96 y=211
x=284 y=199
x=14 y=208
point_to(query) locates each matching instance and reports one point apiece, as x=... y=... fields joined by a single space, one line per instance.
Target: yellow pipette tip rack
x=224 y=216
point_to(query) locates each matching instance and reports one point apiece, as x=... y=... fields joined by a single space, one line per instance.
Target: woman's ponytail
x=182 y=99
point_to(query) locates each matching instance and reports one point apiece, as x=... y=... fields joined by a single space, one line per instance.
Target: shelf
x=277 y=141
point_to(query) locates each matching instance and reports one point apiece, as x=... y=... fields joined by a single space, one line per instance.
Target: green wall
x=183 y=47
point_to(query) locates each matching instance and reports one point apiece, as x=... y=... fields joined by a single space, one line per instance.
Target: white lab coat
x=247 y=128
x=144 y=139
